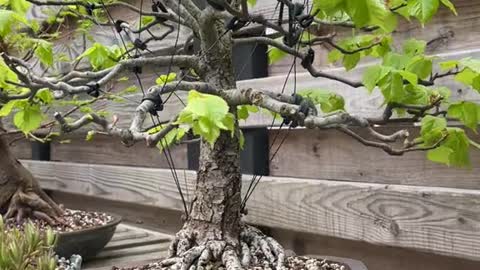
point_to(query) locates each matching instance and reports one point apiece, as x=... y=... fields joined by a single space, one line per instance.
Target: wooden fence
x=325 y=193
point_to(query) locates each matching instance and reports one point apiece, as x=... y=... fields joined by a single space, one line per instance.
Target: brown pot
x=88 y=242
x=351 y=264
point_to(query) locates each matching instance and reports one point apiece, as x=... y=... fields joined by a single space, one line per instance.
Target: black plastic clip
x=154 y=97
x=293 y=37
x=90 y=8
x=308 y=60
x=305 y=20
x=94 y=90
x=235 y=24
x=118 y=25
x=139 y=44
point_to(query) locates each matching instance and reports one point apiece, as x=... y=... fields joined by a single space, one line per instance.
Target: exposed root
x=254 y=249
x=30 y=204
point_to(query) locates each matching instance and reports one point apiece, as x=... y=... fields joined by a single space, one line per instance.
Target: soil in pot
x=291 y=263
x=80 y=232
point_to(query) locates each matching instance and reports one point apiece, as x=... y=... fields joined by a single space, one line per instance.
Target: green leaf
x=207 y=115
x=328 y=101
x=90 y=135
x=243 y=111
x=432 y=129
x=458 y=142
x=467 y=112
x=8 y=19
x=370 y=12
x=172 y=136
x=44 y=52
x=29 y=118
x=414 y=47
x=101 y=57
x=423 y=10
x=252 y=3
x=374 y=74
x=275 y=55
x=409 y=76
x=395 y=60
x=392 y=87
x=45 y=95
x=19 y=6
x=164 y=79
x=447 y=65
x=440 y=155
x=146 y=20
x=449 y=5
x=421 y=66
x=351 y=60
x=7 y=108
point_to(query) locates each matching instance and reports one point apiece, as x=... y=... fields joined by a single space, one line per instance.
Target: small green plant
x=27 y=249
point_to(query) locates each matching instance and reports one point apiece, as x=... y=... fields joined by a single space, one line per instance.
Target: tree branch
x=127 y=136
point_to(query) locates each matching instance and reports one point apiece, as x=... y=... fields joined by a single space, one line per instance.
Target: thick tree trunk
x=213 y=232
x=215 y=210
x=20 y=193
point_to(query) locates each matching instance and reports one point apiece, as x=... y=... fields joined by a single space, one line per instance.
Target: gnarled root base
x=30 y=204
x=254 y=249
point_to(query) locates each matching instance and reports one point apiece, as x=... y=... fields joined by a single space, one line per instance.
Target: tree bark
x=215 y=209
x=213 y=231
x=20 y=193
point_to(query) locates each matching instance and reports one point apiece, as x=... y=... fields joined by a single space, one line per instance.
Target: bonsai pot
x=88 y=242
x=350 y=264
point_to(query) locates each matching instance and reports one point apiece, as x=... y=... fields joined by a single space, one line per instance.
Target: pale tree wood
x=432 y=219
x=20 y=147
x=329 y=154
x=358 y=101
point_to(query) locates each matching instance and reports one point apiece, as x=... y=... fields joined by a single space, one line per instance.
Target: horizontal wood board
x=130 y=246
x=439 y=220
x=332 y=155
x=464 y=28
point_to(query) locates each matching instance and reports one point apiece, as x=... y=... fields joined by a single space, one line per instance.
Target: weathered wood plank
x=329 y=154
x=105 y=150
x=149 y=246
x=438 y=220
x=465 y=29
x=374 y=256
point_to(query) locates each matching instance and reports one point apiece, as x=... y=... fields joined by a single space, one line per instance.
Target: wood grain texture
x=105 y=150
x=465 y=29
x=374 y=256
x=438 y=220
x=329 y=154
x=130 y=246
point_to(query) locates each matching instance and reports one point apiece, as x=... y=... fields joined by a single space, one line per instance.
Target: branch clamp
x=94 y=90
x=235 y=24
x=139 y=44
x=307 y=61
x=154 y=97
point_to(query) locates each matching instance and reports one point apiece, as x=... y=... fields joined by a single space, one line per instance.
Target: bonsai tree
x=213 y=230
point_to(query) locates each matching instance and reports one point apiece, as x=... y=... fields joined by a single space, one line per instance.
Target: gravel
x=292 y=263
x=73 y=220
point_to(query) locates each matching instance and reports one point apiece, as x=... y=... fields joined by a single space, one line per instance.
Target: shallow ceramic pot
x=351 y=264
x=88 y=242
